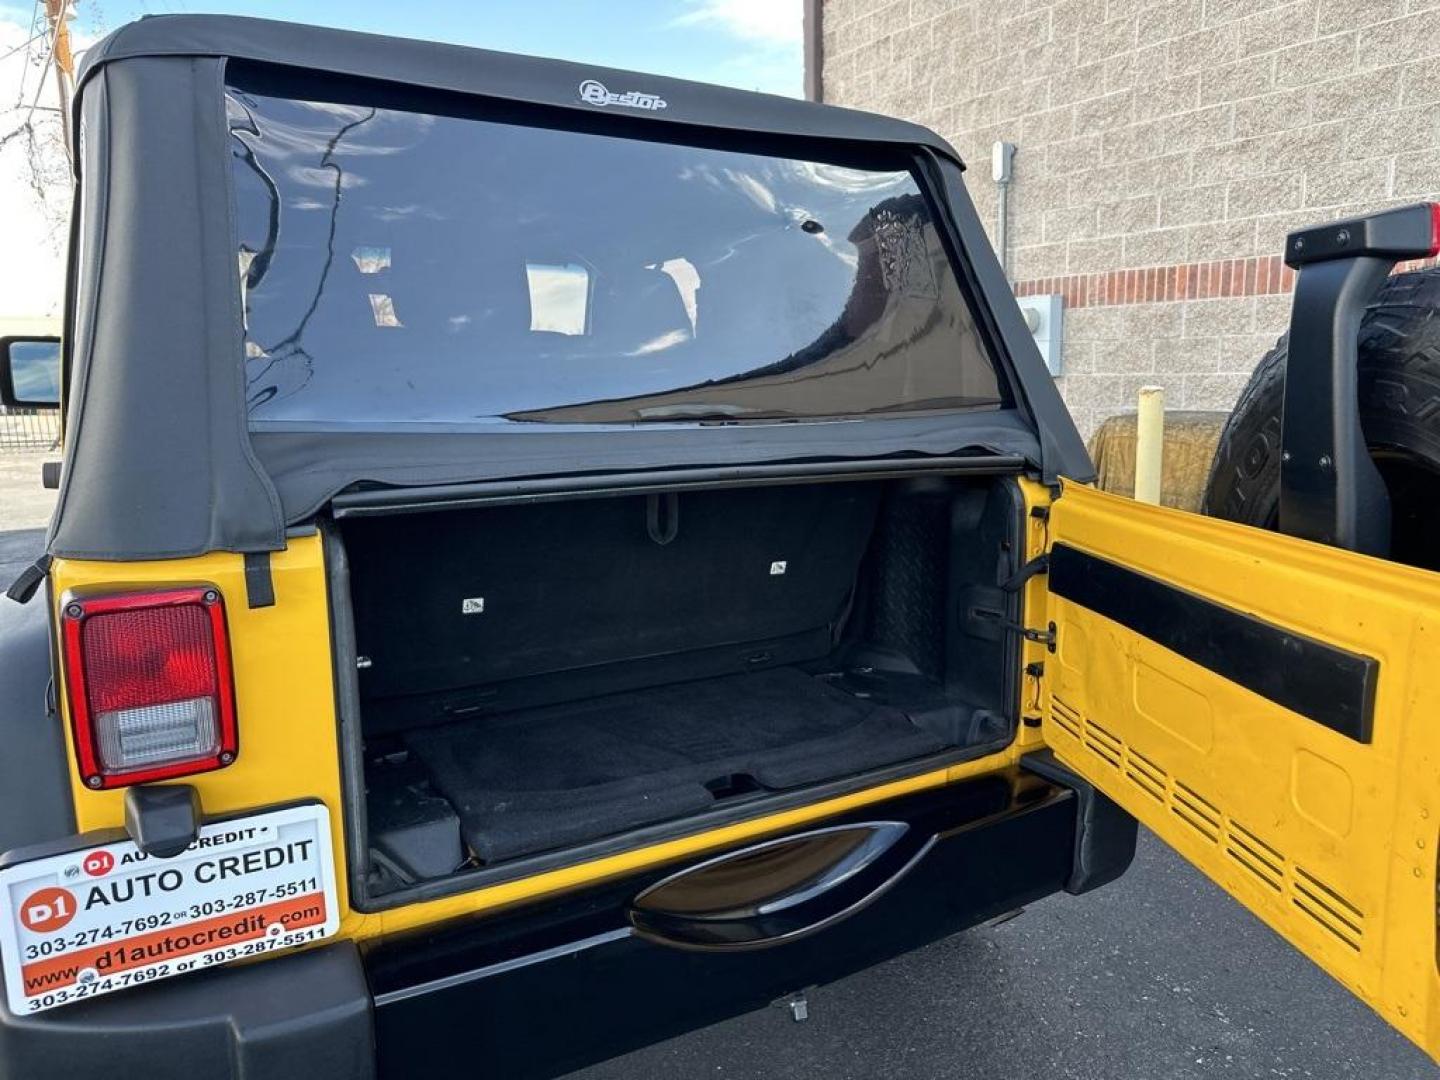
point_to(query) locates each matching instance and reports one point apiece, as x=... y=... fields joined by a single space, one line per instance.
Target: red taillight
x=1434 y=229
x=151 y=695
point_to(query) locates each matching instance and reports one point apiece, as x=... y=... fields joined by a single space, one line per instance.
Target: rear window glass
x=400 y=266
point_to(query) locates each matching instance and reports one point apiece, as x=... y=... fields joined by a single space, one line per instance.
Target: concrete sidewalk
x=24 y=504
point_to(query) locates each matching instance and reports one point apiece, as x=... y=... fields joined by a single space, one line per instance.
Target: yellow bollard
x=1149 y=443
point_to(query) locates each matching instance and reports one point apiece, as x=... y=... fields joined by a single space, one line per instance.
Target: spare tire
x=1399 y=412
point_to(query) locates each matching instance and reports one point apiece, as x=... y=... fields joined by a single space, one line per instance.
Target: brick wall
x=1180 y=140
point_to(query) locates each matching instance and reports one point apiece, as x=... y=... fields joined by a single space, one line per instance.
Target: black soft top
x=159 y=459
x=466 y=70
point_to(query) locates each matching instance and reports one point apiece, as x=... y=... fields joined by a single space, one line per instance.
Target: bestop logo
x=593 y=92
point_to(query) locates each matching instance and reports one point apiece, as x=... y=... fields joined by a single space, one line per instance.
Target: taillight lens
x=150 y=688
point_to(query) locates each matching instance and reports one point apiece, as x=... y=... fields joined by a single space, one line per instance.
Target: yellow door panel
x=1267 y=707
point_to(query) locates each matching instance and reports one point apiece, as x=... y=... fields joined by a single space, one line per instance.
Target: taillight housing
x=149 y=683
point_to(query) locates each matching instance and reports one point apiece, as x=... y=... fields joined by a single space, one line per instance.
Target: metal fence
x=29 y=429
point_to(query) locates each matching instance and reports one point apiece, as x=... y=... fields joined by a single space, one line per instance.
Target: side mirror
x=30 y=375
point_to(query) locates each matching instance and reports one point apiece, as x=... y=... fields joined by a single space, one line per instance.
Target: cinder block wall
x=1165 y=149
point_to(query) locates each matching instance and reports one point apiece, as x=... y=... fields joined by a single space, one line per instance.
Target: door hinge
x=993 y=617
x=1045 y=637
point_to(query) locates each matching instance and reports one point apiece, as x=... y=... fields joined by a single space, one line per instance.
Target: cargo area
x=551 y=676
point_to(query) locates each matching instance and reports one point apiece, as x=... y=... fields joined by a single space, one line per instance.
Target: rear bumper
x=555 y=986
x=307 y=1015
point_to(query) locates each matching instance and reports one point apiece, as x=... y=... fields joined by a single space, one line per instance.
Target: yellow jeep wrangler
x=551 y=557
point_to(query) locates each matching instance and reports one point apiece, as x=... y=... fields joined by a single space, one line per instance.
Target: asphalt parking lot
x=18 y=548
x=1157 y=977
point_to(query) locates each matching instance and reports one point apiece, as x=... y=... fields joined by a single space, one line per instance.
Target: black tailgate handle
x=779 y=890
x=1330 y=489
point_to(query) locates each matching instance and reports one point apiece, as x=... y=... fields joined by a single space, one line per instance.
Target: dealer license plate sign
x=106 y=918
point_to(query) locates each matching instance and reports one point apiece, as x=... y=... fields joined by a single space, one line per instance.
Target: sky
x=750 y=44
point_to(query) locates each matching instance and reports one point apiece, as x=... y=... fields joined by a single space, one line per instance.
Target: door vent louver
x=1103 y=743
x=1197 y=812
x=1066 y=717
x=1328 y=908
x=1242 y=848
x=1251 y=853
x=1147 y=777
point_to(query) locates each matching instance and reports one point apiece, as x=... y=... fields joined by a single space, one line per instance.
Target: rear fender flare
x=35 y=801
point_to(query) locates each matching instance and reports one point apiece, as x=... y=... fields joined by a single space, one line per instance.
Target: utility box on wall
x=1044 y=317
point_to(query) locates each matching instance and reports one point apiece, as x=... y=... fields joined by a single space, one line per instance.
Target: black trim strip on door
x=1326 y=684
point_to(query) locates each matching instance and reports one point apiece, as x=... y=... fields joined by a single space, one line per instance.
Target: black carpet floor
x=542 y=779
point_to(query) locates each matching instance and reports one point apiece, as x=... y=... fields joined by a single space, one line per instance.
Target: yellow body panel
x=1330 y=841
x=284 y=689
x=289 y=746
